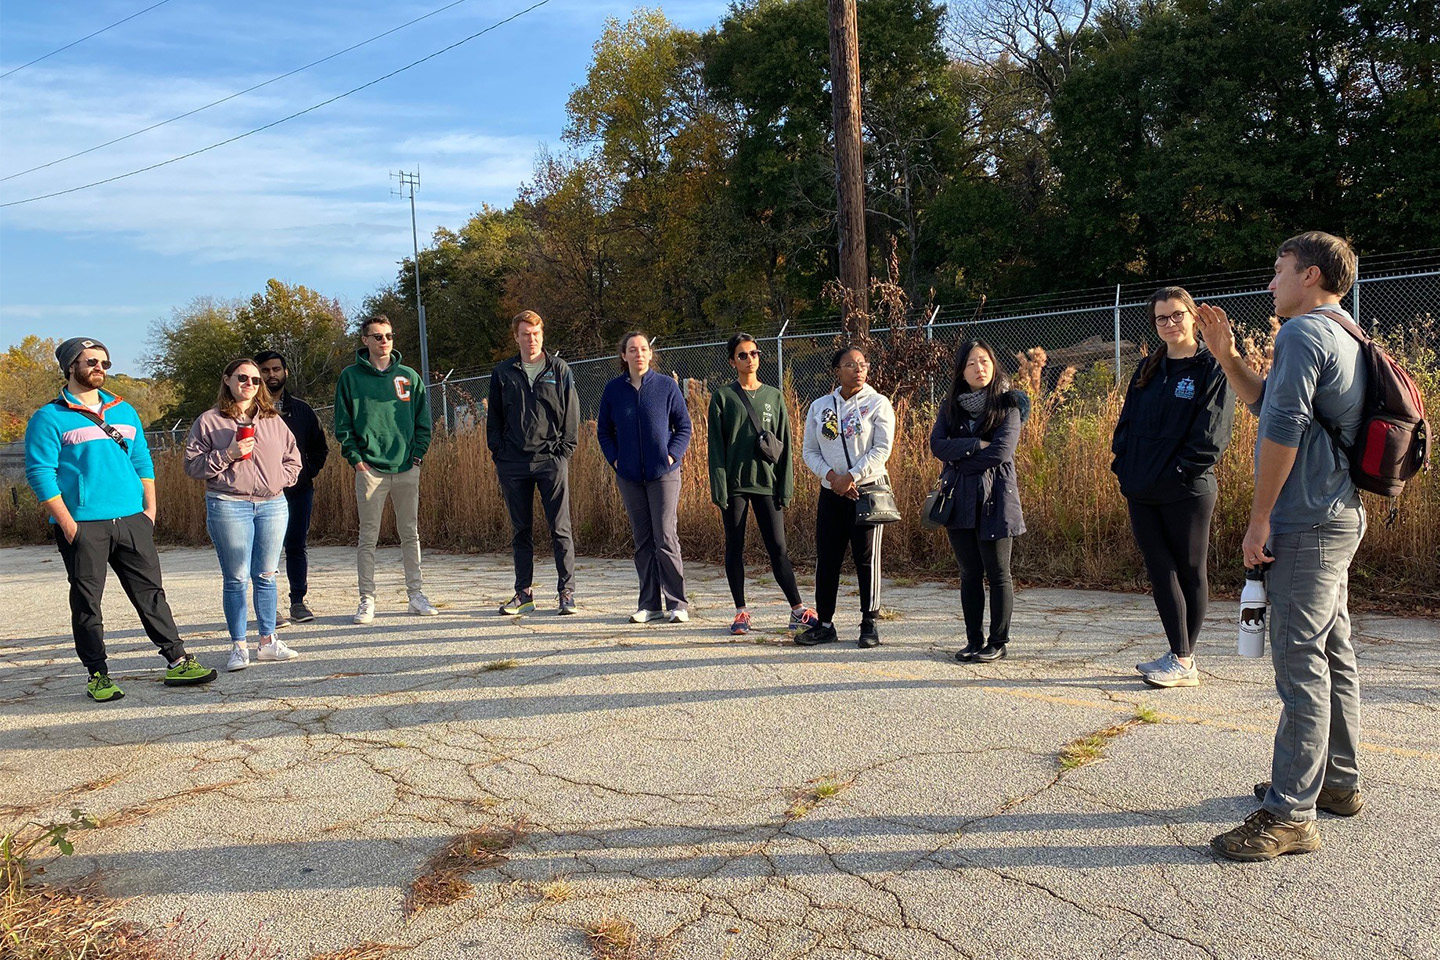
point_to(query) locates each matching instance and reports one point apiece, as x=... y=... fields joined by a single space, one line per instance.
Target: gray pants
x=1315 y=670
x=519 y=481
x=403 y=489
x=654 y=508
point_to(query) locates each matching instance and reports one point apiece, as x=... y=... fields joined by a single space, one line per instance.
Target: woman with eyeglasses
x=752 y=470
x=976 y=431
x=848 y=436
x=1172 y=430
x=247 y=456
x=644 y=430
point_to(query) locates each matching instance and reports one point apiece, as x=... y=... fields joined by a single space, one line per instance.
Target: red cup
x=245 y=431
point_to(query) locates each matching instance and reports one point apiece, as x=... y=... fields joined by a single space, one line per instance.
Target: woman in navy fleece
x=644 y=430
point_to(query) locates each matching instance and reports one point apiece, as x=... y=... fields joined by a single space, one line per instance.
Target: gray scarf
x=972 y=403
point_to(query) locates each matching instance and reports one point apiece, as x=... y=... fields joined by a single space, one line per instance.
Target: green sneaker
x=187 y=673
x=102 y=689
x=519 y=605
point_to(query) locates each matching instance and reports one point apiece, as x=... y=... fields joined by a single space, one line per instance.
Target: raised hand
x=1216 y=330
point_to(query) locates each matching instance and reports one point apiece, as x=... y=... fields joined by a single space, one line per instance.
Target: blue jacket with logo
x=68 y=455
x=532 y=423
x=1173 y=430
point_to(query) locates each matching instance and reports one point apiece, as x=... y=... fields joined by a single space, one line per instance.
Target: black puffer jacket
x=1173 y=430
x=982 y=480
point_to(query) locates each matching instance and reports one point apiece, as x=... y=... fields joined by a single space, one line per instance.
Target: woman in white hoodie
x=848 y=436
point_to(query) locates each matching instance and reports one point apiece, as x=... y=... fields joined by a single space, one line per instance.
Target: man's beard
x=275 y=386
x=93 y=378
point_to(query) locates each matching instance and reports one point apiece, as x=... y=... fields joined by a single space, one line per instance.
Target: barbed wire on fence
x=1100 y=329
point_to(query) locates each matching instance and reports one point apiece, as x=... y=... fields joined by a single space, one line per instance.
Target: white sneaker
x=239 y=657
x=366 y=611
x=678 y=616
x=645 y=616
x=422 y=607
x=273 y=648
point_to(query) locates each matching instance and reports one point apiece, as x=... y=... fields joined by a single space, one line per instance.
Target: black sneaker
x=565 y=606
x=1342 y=803
x=990 y=652
x=869 y=636
x=967 y=655
x=301 y=613
x=816 y=635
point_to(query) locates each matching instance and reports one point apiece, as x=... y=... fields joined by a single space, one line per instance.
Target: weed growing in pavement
x=557 y=890
x=1090 y=748
x=613 y=938
x=812 y=795
x=1146 y=715
x=494 y=665
x=17 y=846
x=890 y=613
x=443 y=880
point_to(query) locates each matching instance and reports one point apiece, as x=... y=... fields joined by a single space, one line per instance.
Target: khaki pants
x=371 y=489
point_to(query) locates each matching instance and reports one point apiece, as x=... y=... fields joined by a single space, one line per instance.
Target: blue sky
x=308 y=201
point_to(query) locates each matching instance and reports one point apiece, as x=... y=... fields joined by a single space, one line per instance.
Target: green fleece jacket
x=382 y=416
x=735 y=464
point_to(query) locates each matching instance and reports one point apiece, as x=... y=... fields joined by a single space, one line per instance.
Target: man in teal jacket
x=382 y=421
x=87 y=461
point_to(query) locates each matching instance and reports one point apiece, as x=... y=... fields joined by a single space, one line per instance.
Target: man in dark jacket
x=310 y=438
x=532 y=428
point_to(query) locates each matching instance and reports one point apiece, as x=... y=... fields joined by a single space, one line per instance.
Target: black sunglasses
x=93 y=362
x=747 y=354
x=244 y=378
x=382 y=336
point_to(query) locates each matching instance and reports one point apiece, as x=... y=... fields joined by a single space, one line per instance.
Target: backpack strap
x=96 y=419
x=749 y=410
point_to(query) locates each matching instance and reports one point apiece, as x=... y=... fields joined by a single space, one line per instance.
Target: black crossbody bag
x=769 y=445
x=99 y=421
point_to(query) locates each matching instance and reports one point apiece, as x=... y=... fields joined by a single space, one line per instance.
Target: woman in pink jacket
x=247 y=456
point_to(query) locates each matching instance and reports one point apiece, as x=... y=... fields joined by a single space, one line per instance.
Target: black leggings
x=982 y=560
x=772 y=530
x=1174 y=539
x=835 y=527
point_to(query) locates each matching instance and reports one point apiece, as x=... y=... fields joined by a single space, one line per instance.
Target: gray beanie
x=66 y=353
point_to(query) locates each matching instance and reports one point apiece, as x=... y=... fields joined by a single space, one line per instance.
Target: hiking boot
x=301 y=613
x=677 y=616
x=239 y=657
x=1150 y=666
x=1336 y=800
x=990 y=653
x=1264 y=836
x=869 y=636
x=967 y=655
x=645 y=616
x=366 y=611
x=741 y=624
x=102 y=689
x=518 y=605
x=421 y=606
x=803 y=619
x=816 y=635
x=1173 y=673
x=272 y=648
x=565 y=604
x=188 y=672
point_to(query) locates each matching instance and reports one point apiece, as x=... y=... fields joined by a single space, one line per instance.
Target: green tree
x=29 y=377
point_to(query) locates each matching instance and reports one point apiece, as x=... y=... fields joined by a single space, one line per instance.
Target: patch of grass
x=812 y=795
x=613 y=938
x=890 y=613
x=557 y=890
x=1146 y=715
x=1083 y=751
x=493 y=665
x=904 y=581
x=443 y=880
x=368 y=950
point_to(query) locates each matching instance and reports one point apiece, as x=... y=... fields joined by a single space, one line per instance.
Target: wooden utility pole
x=849 y=163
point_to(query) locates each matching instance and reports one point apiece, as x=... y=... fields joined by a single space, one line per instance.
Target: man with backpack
x=1306 y=522
x=87 y=461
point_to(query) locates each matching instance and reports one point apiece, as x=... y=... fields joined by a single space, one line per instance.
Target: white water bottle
x=1253 y=609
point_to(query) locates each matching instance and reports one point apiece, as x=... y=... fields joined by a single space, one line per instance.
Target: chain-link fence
x=1099 y=331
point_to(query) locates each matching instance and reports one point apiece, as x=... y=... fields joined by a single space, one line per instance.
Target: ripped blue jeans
x=248 y=536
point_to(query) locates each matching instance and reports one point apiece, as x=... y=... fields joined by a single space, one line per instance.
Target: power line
x=275 y=123
x=216 y=103
x=82 y=39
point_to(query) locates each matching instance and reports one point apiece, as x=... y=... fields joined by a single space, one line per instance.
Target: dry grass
x=557 y=890
x=1083 y=751
x=613 y=938
x=1078 y=529
x=364 y=951
x=493 y=665
x=812 y=795
x=443 y=880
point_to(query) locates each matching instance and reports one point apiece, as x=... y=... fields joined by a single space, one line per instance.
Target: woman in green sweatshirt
x=751 y=467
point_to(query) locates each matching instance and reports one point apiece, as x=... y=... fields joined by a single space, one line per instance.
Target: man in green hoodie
x=382 y=420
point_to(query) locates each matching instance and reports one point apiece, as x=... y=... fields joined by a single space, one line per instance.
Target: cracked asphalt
x=291 y=805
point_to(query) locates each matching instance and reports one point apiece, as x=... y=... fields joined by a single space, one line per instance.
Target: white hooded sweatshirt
x=865 y=424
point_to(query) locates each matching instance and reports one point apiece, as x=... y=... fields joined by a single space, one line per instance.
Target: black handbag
x=769 y=445
x=939 y=504
x=876 y=504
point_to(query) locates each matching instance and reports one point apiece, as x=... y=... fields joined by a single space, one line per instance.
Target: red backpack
x=1393 y=443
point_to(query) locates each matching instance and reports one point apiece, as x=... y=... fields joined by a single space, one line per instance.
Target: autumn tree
x=29 y=377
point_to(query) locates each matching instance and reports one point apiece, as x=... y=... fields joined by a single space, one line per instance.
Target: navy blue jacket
x=1172 y=431
x=987 y=496
x=640 y=430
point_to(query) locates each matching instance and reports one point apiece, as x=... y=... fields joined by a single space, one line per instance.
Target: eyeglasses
x=852 y=365
x=92 y=362
x=242 y=379
x=1171 y=318
x=747 y=354
x=381 y=336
